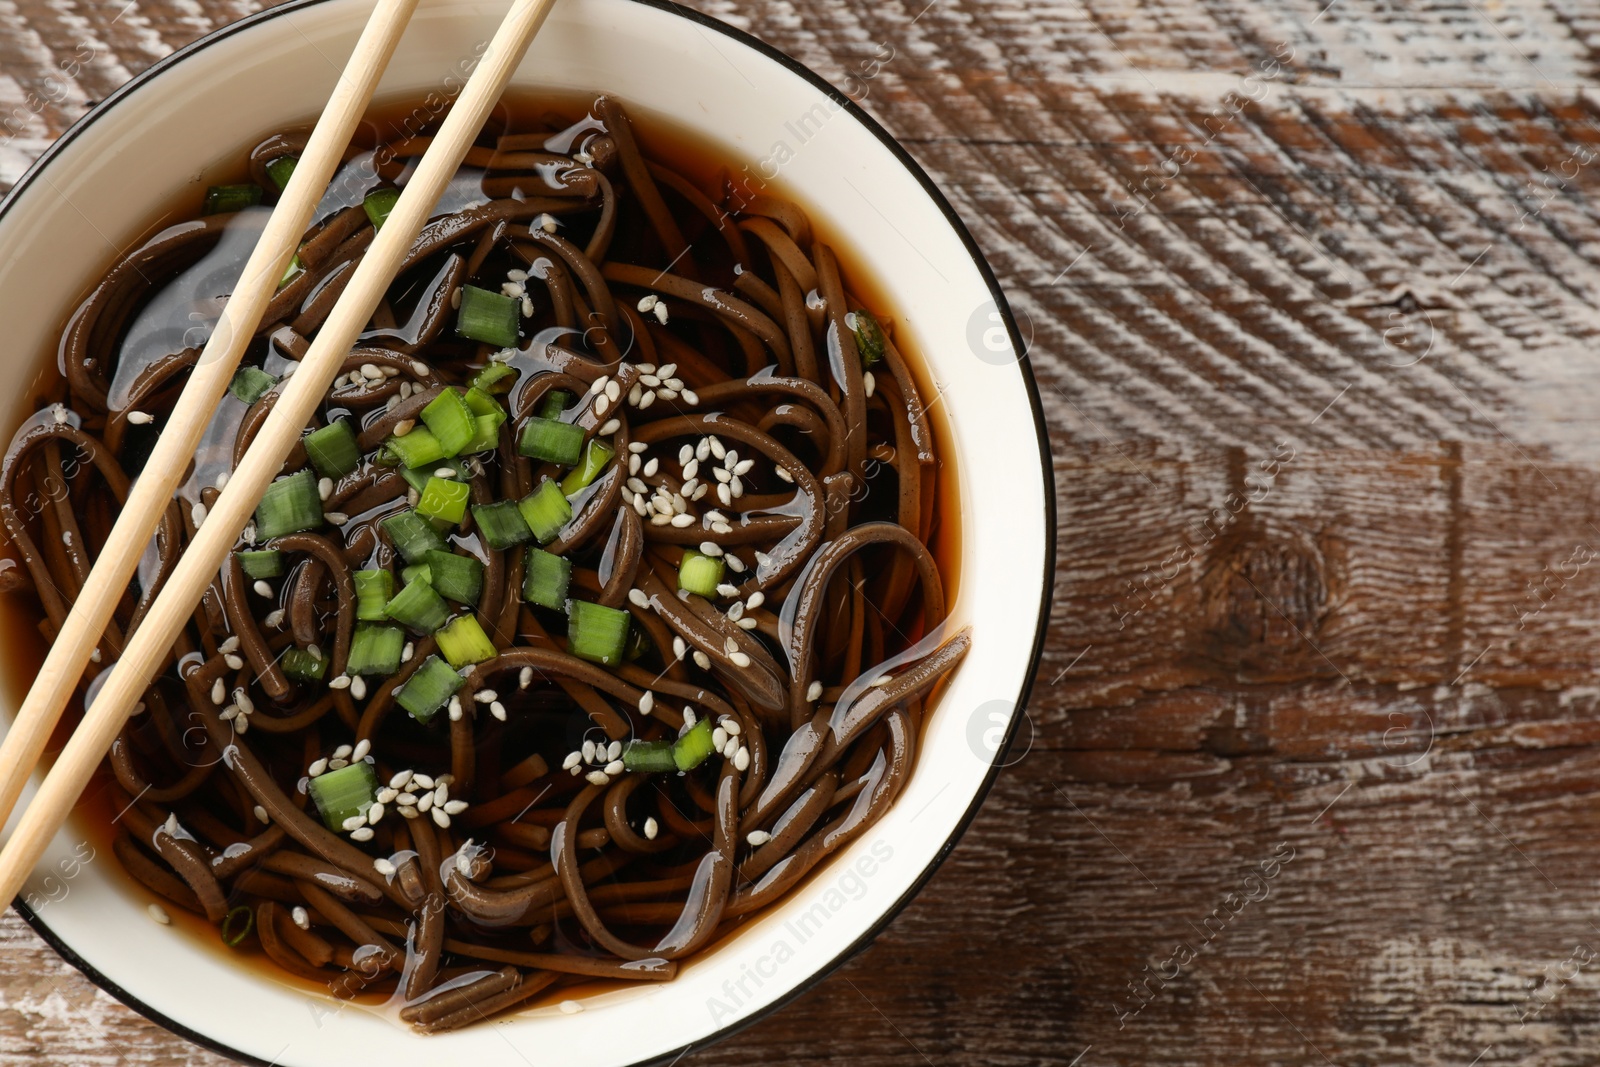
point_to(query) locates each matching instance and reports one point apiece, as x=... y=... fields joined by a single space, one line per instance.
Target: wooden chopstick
x=84 y=626
x=197 y=566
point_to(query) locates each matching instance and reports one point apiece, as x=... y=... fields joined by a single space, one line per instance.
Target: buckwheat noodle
x=752 y=413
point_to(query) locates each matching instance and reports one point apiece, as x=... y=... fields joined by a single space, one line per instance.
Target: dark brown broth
x=684 y=151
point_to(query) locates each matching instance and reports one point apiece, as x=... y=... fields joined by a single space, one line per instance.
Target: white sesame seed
x=601 y=403
x=455 y=807
x=880 y=680
x=614 y=767
x=341 y=681
x=261 y=814
x=139 y=418
x=159 y=914
x=682 y=521
x=725 y=495
x=485 y=696
x=525 y=678
x=758 y=837
x=637 y=446
x=598 y=778
x=710 y=548
x=743 y=466
x=719 y=739
x=661 y=314
x=638 y=599
x=401 y=779
x=338 y=518
x=406 y=800
x=651 y=467
x=229 y=713
x=648 y=303
x=757 y=599
x=635 y=392
x=375 y=813
x=868 y=382
x=325 y=488
x=572 y=760
x=423 y=781
x=647 y=703
x=749 y=622
x=688 y=716
x=690 y=397
x=360 y=751
x=412 y=497
x=404 y=426
x=511 y=289
x=741 y=762
x=371 y=372
x=739 y=659
x=355 y=822
x=219 y=692
x=383 y=867
x=386 y=795
x=679 y=649
x=646 y=400
x=358 y=687
x=784 y=474
x=234 y=662
x=455 y=709
x=814 y=692
x=735 y=564
x=527 y=306
x=650 y=829
x=262 y=588
x=343 y=752
x=614 y=391
x=424 y=801
x=599 y=384
x=363 y=834
x=498 y=710
x=702 y=660
x=611 y=426
x=702 y=450
x=407 y=652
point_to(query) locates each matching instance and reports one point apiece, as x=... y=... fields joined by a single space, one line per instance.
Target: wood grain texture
x=1311 y=771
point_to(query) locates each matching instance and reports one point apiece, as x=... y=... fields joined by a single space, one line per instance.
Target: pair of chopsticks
x=298 y=399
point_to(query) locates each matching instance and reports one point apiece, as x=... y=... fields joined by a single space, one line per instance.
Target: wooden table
x=1312 y=764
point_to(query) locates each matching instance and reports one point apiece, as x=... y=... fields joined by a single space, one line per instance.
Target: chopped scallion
x=225 y=199
x=482 y=403
x=417 y=477
x=649 y=757
x=413 y=536
x=694 y=747
x=488 y=317
x=463 y=642
x=303 y=665
x=251 y=383
x=379 y=205
x=596 y=632
x=418 y=608
x=373 y=592
x=555 y=402
x=419 y=448
x=869 y=336
x=596 y=454
x=375 y=650
x=699 y=574
x=268 y=564
x=495 y=378
x=545 y=578
x=444 y=500
x=237 y=924
x=456 y=577
x=289 y=505
x=545 y=510
x=501 y=525
x=343 y=794
x=552 y=441
x=280 y=170
x=333 y=449
x=417 y=572
x=429 y=689
x=451 y=421
x=485 y=433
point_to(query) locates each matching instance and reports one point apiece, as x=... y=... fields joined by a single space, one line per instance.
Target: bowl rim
x=1046 y=469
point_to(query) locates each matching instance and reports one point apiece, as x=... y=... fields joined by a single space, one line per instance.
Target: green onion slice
x=463 y=642
x=545 y=578
x=290 y=505
x=596 y=632
x=429 y=689
x=343 y=794
x=251 y=383
x=492 y=318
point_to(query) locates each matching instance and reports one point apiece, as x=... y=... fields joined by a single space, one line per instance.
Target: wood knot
x=1265 y=596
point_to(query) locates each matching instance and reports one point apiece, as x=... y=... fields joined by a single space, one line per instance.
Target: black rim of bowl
x=1024 y=364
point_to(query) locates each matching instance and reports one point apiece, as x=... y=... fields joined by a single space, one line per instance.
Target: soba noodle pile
x=592 y=614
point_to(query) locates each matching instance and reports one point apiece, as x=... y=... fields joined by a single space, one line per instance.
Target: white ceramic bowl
x=109 y=177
